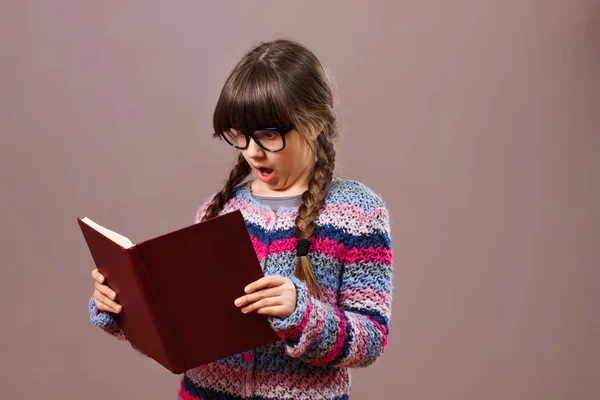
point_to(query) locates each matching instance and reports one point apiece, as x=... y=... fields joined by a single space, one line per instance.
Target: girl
x=323 y=242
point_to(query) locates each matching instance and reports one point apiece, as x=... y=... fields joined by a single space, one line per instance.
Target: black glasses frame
x=250 y=134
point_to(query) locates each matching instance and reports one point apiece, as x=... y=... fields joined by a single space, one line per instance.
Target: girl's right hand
x=104 y=297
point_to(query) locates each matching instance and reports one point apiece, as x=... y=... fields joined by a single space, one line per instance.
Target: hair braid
x=313 y=199
x=239 y=172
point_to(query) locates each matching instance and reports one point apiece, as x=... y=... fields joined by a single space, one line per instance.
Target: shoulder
x=354 y=193
x=237 y=193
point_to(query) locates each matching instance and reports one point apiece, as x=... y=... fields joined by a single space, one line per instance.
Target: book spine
x=160 y=319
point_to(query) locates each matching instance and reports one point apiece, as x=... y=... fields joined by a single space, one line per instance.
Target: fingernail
x=247 y=289
x=244 y=310
x=118 y=308
x=113 y=295
x=237 y=302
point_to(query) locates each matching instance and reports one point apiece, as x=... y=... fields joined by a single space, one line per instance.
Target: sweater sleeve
x=354 y=332
x=107 y=321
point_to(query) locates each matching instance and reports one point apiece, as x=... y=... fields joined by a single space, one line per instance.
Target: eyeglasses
x=270 y=139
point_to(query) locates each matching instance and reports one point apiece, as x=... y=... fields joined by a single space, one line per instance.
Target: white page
x=114 y=236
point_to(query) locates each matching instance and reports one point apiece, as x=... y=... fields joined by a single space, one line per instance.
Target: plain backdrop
x=476 y=121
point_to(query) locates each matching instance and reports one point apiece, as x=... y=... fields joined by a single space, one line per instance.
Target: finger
x=104 y=308
x=104 y=289
x=97 y=275
x=261 y=294
x=265 y=282
x=99 y=300
x=105 y=304
x=276 y=311
x=105 y=301
x=268 y=302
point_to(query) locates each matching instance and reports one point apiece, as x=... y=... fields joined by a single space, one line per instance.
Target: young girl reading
x=323 y=242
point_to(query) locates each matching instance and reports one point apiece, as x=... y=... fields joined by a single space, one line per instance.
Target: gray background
x=477 y=121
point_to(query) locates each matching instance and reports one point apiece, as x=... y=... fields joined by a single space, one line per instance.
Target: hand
x=104 y=297
x=271 y=295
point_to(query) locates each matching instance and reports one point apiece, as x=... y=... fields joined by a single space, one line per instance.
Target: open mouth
x=265 y=171
x=265 y=174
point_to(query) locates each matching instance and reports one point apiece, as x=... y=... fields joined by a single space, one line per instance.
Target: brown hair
x=280 y=83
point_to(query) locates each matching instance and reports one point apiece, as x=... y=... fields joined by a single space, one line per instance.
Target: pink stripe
x=330 y=356
x=259 y=247
x=329 y=295
x=295 y=332
x=332 y=248
x=240 y=204
x=366 y=295
x=352 y=211
x=286 y=379
x=213 y=374
x=326 y=247
x=369 y=254
x=227 y=379
x=301 y=387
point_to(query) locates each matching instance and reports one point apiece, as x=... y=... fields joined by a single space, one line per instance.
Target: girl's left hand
x=270 y=295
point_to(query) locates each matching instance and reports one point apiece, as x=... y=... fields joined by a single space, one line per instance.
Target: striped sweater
x=351 y=255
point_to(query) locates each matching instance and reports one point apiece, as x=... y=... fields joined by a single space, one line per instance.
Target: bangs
x=252 y=99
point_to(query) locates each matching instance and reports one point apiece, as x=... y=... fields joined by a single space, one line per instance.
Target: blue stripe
x=346 y=348
x=377 y=238
x=326 y=268
x=370 y=356
x=375 y=315
x=367 y=276
x=328 y=336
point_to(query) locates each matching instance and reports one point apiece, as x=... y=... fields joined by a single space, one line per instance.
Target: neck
x=259 y=189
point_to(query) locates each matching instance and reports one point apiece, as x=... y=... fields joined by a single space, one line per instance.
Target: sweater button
x=247 y=357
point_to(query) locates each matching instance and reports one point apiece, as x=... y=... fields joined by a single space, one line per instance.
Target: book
x=177 y=290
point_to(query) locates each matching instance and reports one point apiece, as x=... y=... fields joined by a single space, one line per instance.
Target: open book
x=177 y=290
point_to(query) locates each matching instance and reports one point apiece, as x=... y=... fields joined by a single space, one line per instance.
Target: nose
x=253 y=150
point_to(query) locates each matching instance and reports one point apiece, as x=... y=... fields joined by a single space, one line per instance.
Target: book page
x=114 y=236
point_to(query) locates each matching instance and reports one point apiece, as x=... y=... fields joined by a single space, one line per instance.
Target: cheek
x=291 y=159
x=244 y=155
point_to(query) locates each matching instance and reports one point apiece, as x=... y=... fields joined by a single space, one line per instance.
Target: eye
x=267 y=135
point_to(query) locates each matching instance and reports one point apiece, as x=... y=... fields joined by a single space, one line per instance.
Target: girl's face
x=284 y=173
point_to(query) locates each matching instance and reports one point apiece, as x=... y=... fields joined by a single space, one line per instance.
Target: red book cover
x=177 y=290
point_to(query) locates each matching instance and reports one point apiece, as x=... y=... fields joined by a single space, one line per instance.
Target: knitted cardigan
x=351 y=255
